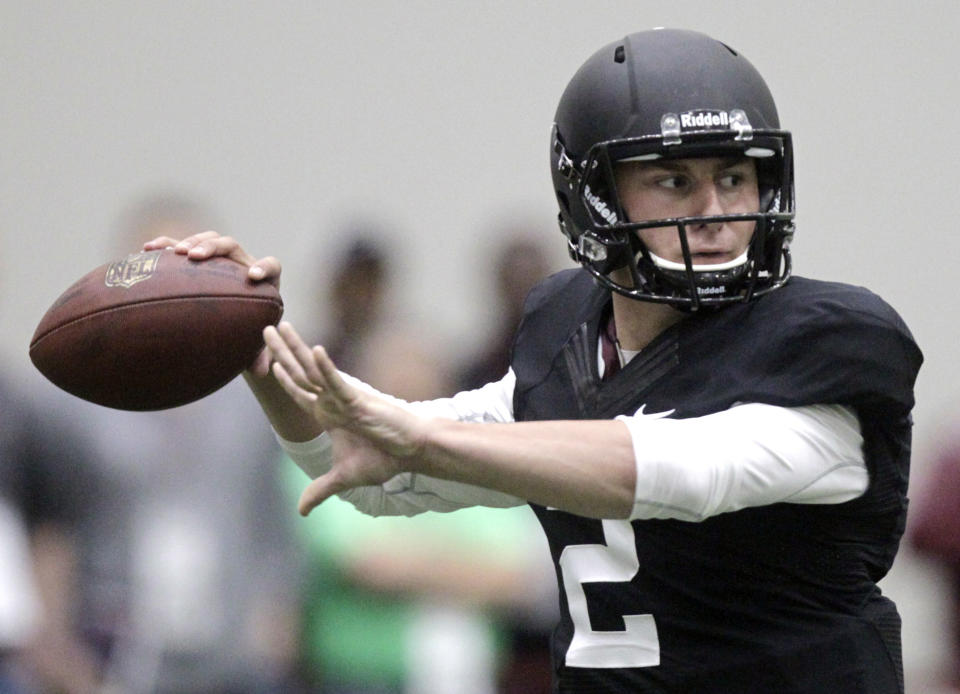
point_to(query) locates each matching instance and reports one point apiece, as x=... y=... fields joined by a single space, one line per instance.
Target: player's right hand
x=209 y=244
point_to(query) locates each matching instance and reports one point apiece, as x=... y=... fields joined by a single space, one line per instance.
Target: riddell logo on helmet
x=600 y=206
x=704 y=120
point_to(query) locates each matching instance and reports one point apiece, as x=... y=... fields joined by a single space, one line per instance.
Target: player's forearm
x=558 y=464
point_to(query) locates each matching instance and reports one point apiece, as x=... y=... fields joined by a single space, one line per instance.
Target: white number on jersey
x=613 y=562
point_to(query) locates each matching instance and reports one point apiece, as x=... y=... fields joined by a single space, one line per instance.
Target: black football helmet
x=670 y=94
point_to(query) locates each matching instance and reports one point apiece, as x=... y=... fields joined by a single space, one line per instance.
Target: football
x=154 y=330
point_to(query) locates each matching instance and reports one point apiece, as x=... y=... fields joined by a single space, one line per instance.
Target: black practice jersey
x=773 y=599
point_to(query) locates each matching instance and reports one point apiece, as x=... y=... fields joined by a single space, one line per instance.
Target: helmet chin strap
x=665 y=264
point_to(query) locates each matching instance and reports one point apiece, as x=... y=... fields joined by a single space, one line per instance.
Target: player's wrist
x=288 y=420
x=433 y=447
x=406 y=437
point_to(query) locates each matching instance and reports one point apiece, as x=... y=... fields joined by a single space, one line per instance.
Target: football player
x=717 y=451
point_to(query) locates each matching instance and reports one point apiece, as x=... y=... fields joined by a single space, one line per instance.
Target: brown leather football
x=154 y=330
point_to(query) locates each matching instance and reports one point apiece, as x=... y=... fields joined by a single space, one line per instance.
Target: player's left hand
x=371 y=434
x=356 y=463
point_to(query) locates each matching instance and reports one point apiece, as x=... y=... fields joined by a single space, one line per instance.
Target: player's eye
x=672 y=182
x=732 y=180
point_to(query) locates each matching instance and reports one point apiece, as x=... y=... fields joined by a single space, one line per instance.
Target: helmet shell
x=623 y=90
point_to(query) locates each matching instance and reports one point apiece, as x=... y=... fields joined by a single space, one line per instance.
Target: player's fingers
x=333 y=382
x=198 y=245
x=288 y=349
x=318 y=491
x=260 y=367
x=210 y=243
x=300 y=351
x=304 y=399
x=281 y=354
x=268 y=268
x=160 y=242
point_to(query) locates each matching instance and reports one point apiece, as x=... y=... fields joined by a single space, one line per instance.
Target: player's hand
x=209 y=244
x=382 y=434
x=357 y=463
x=309 y=376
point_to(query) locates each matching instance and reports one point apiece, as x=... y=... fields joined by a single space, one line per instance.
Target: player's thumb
x=318 y=491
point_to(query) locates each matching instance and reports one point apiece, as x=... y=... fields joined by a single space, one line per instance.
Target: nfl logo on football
x=132 y=269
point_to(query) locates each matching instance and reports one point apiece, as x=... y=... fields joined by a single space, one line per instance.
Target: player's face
x=692 y=188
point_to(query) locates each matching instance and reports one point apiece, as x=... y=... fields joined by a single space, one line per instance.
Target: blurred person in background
x=365 y=319
x=192 y=583
x=47 y=486
x=404 y=606
x=520 y=259
x=934 y=532
x=19 y=603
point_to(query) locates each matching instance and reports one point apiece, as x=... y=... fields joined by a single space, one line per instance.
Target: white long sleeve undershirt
x=750 y=455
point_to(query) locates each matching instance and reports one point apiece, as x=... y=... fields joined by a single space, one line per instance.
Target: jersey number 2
x=613 y=562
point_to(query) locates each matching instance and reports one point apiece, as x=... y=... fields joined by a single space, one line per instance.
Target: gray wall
x=291 y=117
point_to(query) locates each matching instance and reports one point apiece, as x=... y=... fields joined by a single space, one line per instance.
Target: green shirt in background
x=353 y=635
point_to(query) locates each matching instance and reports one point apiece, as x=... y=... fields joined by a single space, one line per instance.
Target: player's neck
x=640 y=322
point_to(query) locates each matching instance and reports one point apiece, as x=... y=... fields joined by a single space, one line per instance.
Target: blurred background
x=299 y=127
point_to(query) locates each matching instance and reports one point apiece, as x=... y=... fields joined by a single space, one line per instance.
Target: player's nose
x=706 y=200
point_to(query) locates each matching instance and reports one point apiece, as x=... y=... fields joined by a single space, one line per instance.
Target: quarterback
x=717 y=450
